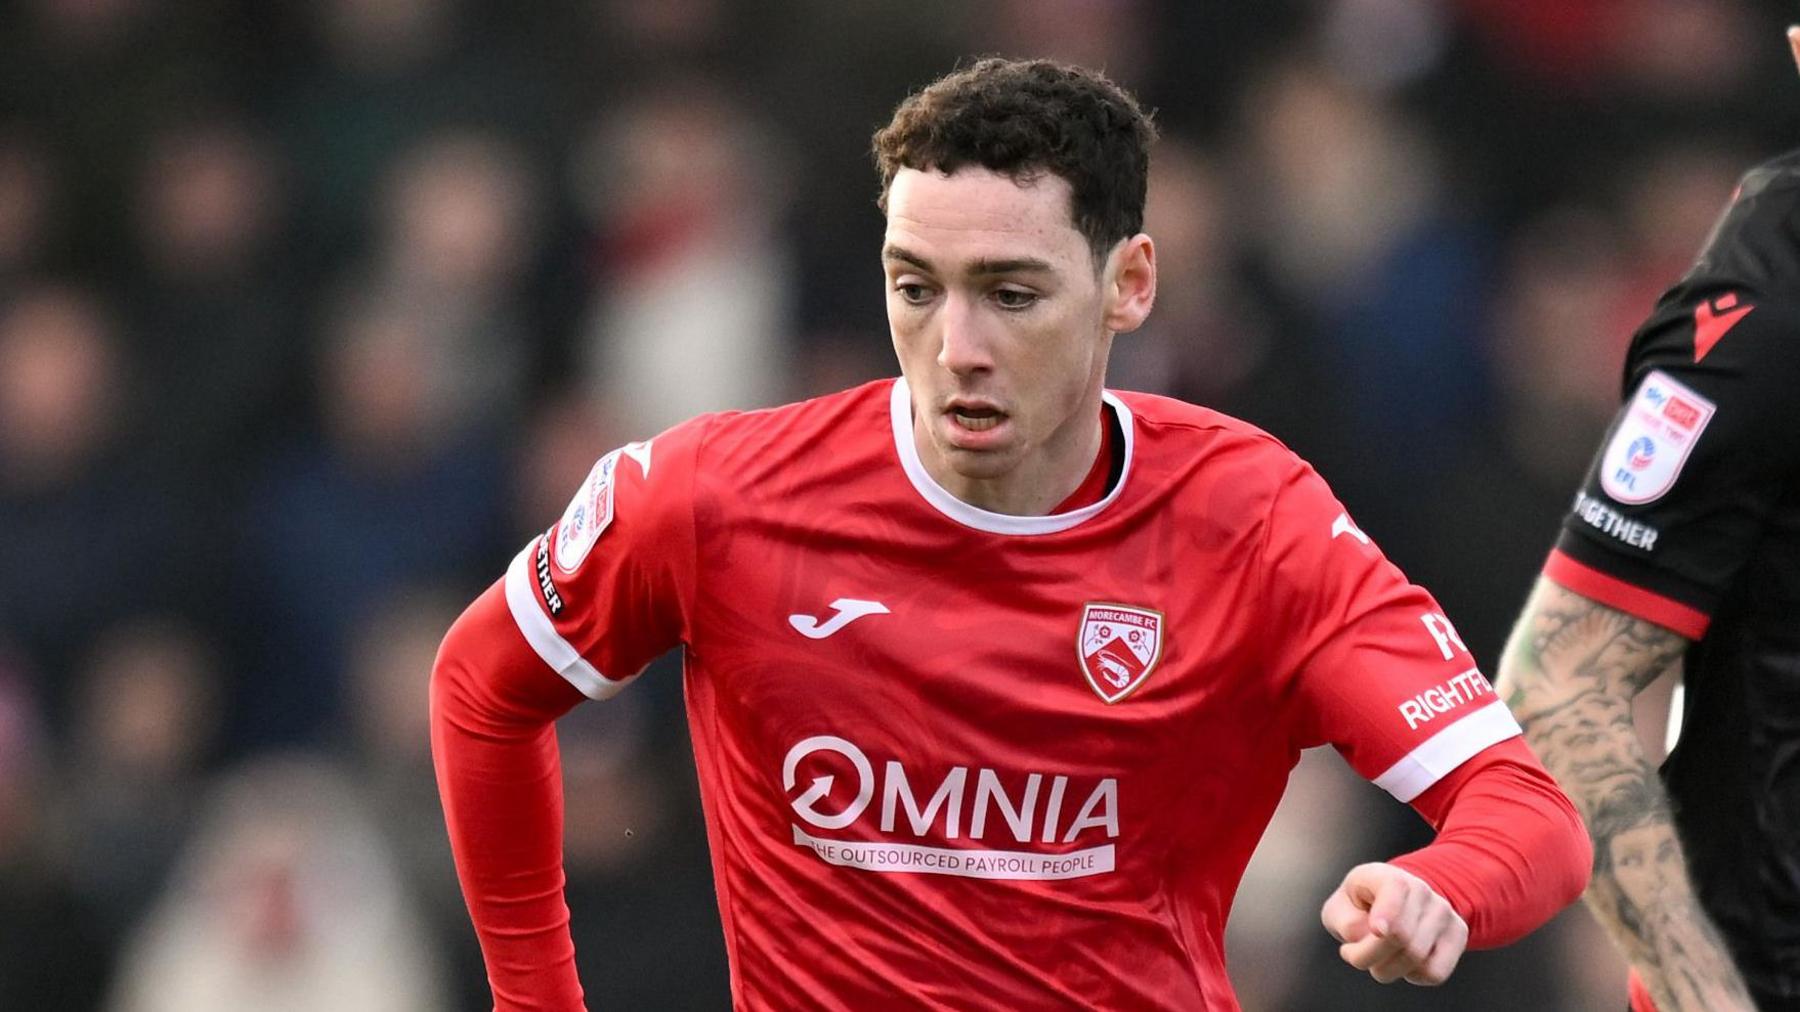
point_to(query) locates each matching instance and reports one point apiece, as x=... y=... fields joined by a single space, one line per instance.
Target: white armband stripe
x=557 y=652
x=1448 y=749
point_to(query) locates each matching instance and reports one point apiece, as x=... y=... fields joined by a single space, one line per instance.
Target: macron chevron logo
x=1714 y=319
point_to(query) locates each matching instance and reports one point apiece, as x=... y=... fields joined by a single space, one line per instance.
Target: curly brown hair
x=1025 y=117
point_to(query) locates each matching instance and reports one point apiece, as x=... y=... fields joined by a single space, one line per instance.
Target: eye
x=913 y=293
x=1014 y=298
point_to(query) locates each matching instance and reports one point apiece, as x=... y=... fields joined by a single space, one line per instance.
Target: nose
x=963 y=349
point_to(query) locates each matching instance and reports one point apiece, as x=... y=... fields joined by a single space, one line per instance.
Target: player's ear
x=1793 y=34
x=1129 y=280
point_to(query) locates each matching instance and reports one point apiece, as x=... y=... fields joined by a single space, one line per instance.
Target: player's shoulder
x=1778 y=176
x=1740 y=283
x=851 y=423
x=1215 y=468
x=1752 y=238
x=1720 y=328
x=1182 y=431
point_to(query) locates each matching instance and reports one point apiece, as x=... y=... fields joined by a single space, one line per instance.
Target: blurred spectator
x=458 y=217
x=377 y=83
x=60 y=402
x=1557 y=98
x=672 y=32
x=364 y=37
x=1672 y=197
x=458 y=225
x=87 y=535
x=385 y=75
x=1382 y=44
x=27 y=204
x=692 y=305
x=1561 y=42
x=285 y=901
x=1560 y=329
x=142 y=736
x=211 y=304
x=1663 y=49
x=208 y=199
x=1094 y=33
x=390 y=664
x=92 y=77
x=1217 y=338
x=1355 y=227
x=1196 y=341
x=826 y=98
x=564 y=435
x=51 y=952
x=1480 y=523
x=1681 y=52
x=390 y=744
x=399 y=488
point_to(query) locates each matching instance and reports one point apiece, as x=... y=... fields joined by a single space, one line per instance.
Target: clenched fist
x=1394 y=925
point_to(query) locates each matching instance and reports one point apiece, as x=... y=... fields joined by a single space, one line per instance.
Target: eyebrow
x=977 y=268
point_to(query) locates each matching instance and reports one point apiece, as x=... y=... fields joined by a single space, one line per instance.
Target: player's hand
x=1394 y=925
x=1793 y=36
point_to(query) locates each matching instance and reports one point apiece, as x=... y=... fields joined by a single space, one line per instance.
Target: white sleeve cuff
x=1448 y=749
x=538 y=630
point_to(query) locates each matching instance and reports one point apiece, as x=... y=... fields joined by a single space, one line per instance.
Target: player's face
x=1002 y=323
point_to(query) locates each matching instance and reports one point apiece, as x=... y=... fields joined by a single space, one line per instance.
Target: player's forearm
x=494 y=748
x=1569 y=674
x=1510 y=851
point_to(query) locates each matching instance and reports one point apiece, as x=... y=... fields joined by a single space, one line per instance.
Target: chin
x=979 y=465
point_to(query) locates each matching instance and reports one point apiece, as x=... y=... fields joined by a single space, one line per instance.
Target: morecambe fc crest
x=1119 y=647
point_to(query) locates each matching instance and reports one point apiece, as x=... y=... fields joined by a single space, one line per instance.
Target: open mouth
x=977 y=419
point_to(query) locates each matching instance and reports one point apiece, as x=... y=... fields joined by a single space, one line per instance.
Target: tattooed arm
x=1569 y=674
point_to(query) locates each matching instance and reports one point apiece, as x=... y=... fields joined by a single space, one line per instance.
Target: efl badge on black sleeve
x=1119 y=647
x=1660 y=427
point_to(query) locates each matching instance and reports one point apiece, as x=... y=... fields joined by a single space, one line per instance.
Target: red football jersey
x=957 y=759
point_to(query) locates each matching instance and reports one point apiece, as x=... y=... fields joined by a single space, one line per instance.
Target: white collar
x=900 y=412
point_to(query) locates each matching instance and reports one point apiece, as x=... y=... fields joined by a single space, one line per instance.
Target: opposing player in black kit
x=1682 y=552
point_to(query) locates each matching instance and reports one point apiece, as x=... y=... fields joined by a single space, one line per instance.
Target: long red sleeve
x=493 y=704
x=1510 y=850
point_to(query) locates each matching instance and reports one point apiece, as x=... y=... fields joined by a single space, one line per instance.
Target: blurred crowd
x=312 y=313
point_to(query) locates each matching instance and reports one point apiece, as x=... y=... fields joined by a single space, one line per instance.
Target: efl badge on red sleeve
x=588 y=515
x=1119 y=647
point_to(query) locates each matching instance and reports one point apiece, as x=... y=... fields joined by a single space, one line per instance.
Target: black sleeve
x=1697 y=460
